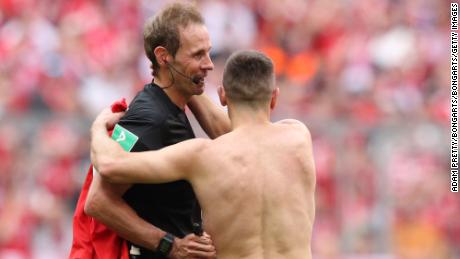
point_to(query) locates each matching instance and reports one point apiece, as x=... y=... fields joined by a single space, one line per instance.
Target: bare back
x=256 y=187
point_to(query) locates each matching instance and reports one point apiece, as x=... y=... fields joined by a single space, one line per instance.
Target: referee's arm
x=105 y=203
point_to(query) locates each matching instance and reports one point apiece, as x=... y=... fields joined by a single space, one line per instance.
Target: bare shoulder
x=195 y=145
x=186 y=150
x=295 y=124
x=184 y=154
x=291 y=122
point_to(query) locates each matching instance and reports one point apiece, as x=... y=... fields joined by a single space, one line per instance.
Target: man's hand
x=103 y=149
x=108 y=118
x=193 y=246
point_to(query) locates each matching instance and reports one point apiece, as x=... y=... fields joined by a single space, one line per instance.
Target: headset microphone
x=195 y=79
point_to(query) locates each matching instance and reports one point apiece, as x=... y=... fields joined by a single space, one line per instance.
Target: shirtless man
x=255 y=184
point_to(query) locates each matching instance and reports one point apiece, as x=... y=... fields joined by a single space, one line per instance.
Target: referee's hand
x=193 y=246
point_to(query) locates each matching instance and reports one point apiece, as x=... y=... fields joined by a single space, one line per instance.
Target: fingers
x=201 y=246
x=199 y=239
x=112 y=118
x=192 y=246
x=198 y=247
x=205 y=234
x=108 y=118
x=203 y=239
x=115 y=117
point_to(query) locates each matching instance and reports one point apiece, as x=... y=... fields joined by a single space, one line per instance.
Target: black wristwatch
x=166 y=244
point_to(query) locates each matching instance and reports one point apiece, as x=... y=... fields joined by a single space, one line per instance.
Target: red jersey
x=92 y=239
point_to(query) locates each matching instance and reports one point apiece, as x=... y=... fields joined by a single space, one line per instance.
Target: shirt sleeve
x=150 y=134
x=150 y=139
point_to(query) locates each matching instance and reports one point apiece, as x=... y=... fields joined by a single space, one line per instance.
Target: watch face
x=166 y=244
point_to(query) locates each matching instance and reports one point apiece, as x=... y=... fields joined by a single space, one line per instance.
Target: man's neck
x=244 y=116
x=172 y=92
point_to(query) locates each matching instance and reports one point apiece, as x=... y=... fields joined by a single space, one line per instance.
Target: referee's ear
x=161 y=55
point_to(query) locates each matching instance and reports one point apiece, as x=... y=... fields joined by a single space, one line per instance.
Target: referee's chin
x=198 y=89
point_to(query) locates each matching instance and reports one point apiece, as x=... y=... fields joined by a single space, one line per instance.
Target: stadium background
x=370 y=78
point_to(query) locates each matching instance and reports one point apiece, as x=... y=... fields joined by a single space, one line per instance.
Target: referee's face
x=192 y=58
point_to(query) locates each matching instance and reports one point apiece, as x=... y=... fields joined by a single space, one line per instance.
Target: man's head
x=163 y=29
x=177 y=40
x=249 y=79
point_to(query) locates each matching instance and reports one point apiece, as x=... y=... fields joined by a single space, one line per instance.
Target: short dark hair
x=163 y=29
x=249 y=77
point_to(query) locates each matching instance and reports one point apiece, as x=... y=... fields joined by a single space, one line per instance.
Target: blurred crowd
x=370 y=78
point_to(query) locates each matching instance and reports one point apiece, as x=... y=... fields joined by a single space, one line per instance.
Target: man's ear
x=161 y=55
x=222 y=97
x=275 y=94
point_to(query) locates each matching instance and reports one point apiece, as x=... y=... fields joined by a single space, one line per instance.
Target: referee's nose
x=207 y=63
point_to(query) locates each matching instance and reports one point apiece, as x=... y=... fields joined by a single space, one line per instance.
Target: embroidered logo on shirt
x=124 y=137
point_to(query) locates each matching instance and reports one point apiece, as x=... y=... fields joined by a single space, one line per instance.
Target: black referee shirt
x=158 y=122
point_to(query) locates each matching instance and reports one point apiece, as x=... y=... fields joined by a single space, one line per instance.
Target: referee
x=158 y=219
